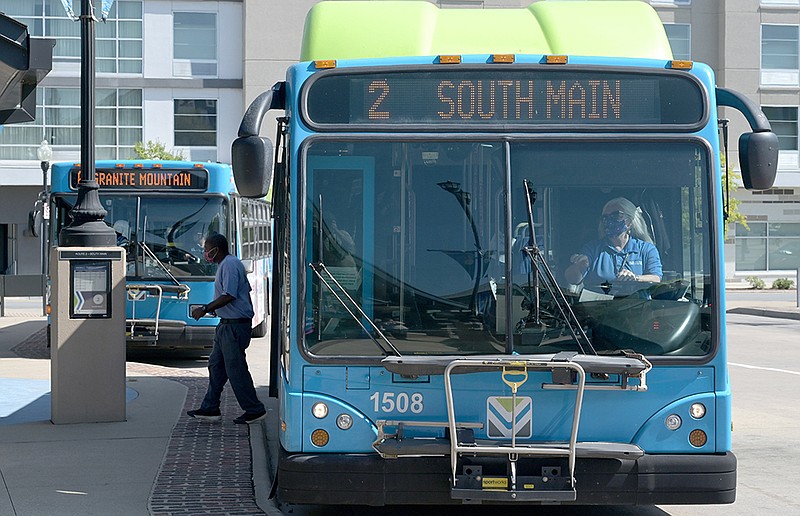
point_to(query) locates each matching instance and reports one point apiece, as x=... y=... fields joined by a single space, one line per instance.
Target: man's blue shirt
x=232 y=280
x=605 y=261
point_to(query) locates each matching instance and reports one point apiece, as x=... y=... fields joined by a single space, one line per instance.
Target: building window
x=783 y=120
x=780 y=3
x=768 y=246
x=779 y=55
x=118 y=43
x=194 y=44
x=118 y=125
x=679 y=36
x=196 y=128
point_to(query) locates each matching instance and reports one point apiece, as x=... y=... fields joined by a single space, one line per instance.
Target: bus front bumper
x=371 y=480
x=170 y=335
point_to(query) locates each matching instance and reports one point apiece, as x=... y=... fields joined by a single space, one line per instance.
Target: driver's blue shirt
x=605 y=261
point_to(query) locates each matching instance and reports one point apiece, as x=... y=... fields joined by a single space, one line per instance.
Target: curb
x=766 y=312
x=262 y=474
x=262 y=480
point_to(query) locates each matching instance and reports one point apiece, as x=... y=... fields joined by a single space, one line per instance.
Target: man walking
x=227 y=360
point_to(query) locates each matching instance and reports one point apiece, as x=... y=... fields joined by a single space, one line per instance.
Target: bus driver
x=623 y=251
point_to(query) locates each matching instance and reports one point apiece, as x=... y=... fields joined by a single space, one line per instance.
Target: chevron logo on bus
x=498 y=417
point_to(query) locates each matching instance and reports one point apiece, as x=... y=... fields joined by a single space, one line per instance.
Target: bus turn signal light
x=698 y=438
x=449 y=59
x=324 y=64
x=319 y=437
x=503 y=58
x=678 y=64
x=555 y=59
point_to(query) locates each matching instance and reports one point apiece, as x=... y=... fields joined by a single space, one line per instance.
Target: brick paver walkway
x=207 y=468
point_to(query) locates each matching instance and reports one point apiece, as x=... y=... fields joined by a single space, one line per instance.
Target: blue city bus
x=161 y=212
x=436 y=175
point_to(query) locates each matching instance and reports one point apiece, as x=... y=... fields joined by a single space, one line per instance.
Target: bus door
x=342 y=189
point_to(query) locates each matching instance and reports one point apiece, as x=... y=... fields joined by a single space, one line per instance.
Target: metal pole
x=797 y=286
x=44 y=228
x=87 y=228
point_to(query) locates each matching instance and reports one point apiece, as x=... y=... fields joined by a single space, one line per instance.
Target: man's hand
x=627 y=275
x=198 y=312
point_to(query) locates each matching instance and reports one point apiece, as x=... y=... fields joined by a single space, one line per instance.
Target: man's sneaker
x=205 y=415
x=246 y=418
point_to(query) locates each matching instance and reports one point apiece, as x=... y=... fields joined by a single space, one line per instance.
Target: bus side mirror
x=758 y=150
x=251 y=157
x=758 y=157
x=34 y=223
x=36 y=218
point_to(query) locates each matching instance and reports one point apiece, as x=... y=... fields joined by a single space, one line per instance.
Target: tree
x=156 y=150
x=730 y=180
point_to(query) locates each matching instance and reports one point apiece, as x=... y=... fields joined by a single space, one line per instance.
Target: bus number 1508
x=401 y=402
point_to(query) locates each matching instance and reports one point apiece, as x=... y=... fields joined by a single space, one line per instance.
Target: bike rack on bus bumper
x=180 y=292
x=568 y=372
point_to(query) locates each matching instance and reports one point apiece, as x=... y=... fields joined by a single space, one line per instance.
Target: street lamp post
x=87 y=228
x=45 y=154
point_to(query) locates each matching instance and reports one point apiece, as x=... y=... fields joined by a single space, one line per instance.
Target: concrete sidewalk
x=98 y=468
x=764 y=307
x=158 y=461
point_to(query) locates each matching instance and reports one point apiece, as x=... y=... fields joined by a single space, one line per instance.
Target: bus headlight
x=697 y=410
x=344 y=421
x=673 y=421
x=320 y=410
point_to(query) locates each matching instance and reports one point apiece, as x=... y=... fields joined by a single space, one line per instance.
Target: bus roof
x=359 y=29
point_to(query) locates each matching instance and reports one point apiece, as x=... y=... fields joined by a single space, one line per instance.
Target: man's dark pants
x=227 y=362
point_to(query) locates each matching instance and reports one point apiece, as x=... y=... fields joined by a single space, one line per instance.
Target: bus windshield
x=425 y=240
x=172 y=228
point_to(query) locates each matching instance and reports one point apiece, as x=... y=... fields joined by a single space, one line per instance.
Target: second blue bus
x=161 y=212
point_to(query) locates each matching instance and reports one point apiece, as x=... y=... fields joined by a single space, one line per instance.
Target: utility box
x=87 y=366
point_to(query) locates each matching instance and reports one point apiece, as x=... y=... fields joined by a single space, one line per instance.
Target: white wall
x=158 y=36
x=159 y=121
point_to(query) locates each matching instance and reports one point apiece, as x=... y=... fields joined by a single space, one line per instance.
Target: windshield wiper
x=149 y=252
x=318 y=268
x=539 y=266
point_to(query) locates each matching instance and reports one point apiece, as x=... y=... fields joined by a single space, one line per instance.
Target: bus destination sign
x=503 y=97
x=151 y=179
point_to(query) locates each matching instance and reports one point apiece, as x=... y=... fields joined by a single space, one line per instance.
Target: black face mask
x=615 y=224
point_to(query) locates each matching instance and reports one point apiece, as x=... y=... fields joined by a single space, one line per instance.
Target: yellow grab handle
x=510 y=375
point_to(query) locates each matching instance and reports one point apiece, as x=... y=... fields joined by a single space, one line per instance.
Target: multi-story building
x=167 y=71
x=754 y=47
x=183 y=72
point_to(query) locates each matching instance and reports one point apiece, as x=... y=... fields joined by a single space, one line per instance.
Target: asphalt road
x=761 y=295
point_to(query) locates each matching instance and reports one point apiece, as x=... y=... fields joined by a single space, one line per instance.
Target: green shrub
x=783 y=283
x=756 y=282
x=156 y=150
